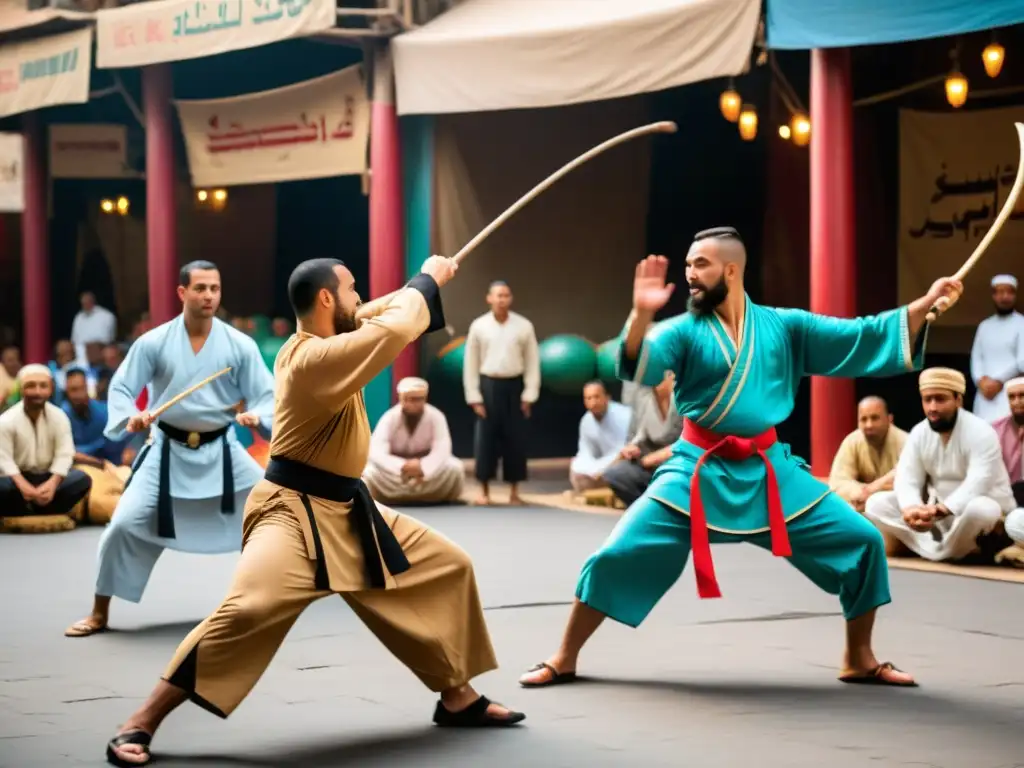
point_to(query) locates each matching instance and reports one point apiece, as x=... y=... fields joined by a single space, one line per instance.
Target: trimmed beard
x=711 y=299
x=1018 y=419
x=944 y=426
x=1004 y=312
x=344 y=323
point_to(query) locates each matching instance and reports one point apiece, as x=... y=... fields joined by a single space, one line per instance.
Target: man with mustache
x=311 y=528
x=951 y=485
x=1010 y=430
x=189 y=484
x=738 y=366
x=997 y=354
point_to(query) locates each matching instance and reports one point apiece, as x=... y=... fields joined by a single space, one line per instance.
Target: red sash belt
x=731 y=448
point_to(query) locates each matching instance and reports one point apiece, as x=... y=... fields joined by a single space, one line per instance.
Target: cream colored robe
x=858 y=463
x=392 y=445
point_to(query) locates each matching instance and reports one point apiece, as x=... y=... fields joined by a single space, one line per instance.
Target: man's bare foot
x=483 y=500
x=885 y=673
x=514 y=499
x=130 y=746
x=90 y=625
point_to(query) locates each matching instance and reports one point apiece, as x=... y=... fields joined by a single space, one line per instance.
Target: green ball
x=607 y=355
x=269 y=347
x=449 y=361
x=567 y=362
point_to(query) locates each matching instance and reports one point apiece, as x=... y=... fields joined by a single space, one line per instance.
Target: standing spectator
x=93 y=323
x=998 y=351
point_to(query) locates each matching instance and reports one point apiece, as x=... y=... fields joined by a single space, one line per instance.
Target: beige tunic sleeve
x=843 y=477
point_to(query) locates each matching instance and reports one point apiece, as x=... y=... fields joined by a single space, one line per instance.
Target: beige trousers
x=388 y=487
x=432 y=621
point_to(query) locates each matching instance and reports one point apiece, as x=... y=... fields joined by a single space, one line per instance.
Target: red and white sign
x=175 y=30
x=45 y=71
x=89 y=151
x=310 y=130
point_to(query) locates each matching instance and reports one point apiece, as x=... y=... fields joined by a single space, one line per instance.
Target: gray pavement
x=746 y=680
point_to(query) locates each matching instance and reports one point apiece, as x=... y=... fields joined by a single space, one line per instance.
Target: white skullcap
x=1012 y=384
x=942 y=378
x=1009 y=280
x=34 y=371
x=413 y=384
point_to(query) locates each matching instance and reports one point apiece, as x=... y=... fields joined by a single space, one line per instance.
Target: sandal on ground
x=876 y=676
x=139 y=737
x=84 y=628
x=474 y=716
x=557 y=678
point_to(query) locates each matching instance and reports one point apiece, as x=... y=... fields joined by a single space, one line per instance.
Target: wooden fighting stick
x=182 y=395
x=945 y=302
x=622 y=138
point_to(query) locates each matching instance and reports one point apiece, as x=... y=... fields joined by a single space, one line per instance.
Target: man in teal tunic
x=737 y=367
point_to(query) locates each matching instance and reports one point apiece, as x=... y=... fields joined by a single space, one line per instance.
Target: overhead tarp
x=487 y=55
x=806 y=24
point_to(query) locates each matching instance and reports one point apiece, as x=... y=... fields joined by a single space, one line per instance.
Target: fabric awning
x=806 y=24
x=19 y=24
x=517 y=54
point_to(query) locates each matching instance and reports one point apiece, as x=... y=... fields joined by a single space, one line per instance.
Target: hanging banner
x=45 y=71
x=175 y=30
x=956 y=169
x=310 y=130
x=12 y=177
x=89 y=151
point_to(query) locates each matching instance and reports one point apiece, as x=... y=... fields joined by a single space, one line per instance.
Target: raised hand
x=650 y=292
x=440 y=268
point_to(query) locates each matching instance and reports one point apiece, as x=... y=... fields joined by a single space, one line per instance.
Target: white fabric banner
x=12 y=173
x=485 y=55
x=956 y=169
x=89 y=151
x=45 y=71
x=310 y=130
x=174 y=30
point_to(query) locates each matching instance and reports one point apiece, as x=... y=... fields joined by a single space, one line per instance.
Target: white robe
x=163 y=358
x=601 y=441
x=501 y=351
x=997 y=352
x=966 y=475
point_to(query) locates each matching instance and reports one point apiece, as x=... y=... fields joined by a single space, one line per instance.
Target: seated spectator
x=10 y=364
x=604 y=429
x=36 y=452
x=88 y=420
x=411 y=457
x=281 y=327
x=658 y=427
x=1010 y=430
x=112 y=356
x=951 y=485
x=866 y=460
x=63 y=361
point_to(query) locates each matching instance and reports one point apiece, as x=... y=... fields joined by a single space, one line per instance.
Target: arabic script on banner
x=310 y=130
x=45 y=71
x=174 y=30
x=956 y=170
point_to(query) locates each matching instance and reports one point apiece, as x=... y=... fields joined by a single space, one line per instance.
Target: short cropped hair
x=308 y=279
x=718 y=233
x=185 y=275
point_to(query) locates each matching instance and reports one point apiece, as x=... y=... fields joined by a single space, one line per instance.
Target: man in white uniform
x=998 y=352
x=501 y=377
x=604 y=430
x=951 y=484
x=93 y=323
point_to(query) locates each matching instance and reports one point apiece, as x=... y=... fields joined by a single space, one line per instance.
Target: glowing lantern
x=992 y=57
x=801 y=128
x=785 y=132
x=748 y=123
x=956 y=89
x=729 y=102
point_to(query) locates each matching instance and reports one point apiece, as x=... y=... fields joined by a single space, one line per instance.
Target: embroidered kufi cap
x=413 y=384
x=1009 y=280
x=942 y=378
x=1014 y=384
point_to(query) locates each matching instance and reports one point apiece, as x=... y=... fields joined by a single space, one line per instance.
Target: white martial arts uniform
x=163 y=358
x=998 y=352
x=599 y=444
x=966 y=475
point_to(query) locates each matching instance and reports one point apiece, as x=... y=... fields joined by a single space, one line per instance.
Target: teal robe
x=749 y=390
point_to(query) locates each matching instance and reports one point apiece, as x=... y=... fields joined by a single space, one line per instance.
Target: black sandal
x=557 y=678
x=474 y=716
x=139 y=737
x=876 y=676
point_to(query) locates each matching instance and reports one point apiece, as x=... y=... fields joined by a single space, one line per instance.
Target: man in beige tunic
x=411 y=459
x=866 y=460
x=311 y=528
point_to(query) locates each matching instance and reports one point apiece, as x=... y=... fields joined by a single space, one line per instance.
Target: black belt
x=366 y=518
x=193 y=440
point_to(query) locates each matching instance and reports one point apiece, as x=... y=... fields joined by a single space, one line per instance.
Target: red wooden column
x=161 y=202
x=387 y=238
x=833 y=240
x=35 y=251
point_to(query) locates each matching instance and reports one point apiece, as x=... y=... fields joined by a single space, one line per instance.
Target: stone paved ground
x=747 y=680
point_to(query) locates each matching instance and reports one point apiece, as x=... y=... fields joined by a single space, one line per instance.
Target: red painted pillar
x=35 y=252
x=161 y=203
x=833 y=240
x=387 y=238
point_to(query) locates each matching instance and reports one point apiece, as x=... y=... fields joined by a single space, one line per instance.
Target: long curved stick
x=944 y=303
x=181 y=396
x=662 y=127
